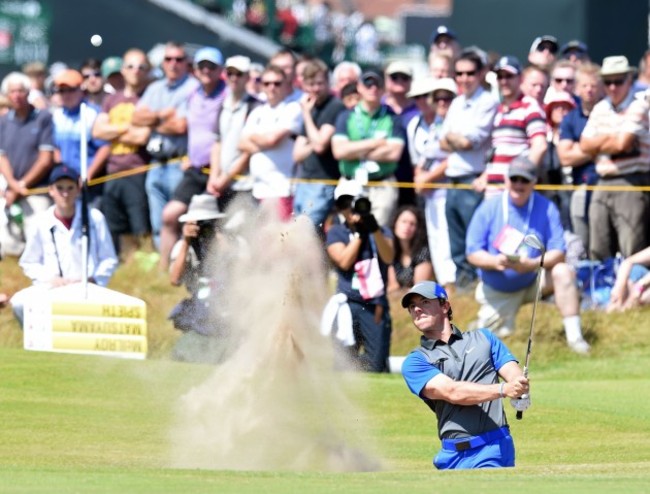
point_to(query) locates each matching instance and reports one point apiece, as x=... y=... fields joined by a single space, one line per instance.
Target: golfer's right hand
x=517 y=387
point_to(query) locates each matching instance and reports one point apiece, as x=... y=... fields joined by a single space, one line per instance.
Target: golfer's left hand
x=521 y=404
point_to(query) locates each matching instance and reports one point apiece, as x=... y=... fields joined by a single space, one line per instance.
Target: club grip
x=520 y=415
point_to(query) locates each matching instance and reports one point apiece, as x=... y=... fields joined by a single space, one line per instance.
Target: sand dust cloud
x=276 y=402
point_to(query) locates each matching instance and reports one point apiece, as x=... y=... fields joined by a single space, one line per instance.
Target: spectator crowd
x=405 y=178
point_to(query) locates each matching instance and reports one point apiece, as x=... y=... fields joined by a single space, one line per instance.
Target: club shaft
x=538 y=290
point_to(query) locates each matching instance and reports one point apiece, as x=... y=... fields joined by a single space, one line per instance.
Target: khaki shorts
x=499 y=309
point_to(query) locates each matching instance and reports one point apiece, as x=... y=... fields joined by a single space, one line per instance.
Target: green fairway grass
x=83 y=424
x=92 y=424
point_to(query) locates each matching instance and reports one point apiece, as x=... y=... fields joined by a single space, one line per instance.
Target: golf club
x=534 y=242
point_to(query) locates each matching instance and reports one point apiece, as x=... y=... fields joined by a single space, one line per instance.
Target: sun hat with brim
x=421 y=87
x=616 y=65
x=203 y=207
x=429 y=85
x=446 y=84
x=427 y=289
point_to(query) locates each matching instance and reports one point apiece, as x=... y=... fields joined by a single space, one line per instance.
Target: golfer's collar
x=431 y=344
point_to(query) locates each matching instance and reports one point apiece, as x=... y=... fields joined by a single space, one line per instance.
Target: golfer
x=457 y=375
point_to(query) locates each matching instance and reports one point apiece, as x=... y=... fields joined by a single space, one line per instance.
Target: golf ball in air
x=96 y=40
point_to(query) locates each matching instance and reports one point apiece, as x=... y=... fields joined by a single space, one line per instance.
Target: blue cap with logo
x=63 y=171
x=427 y=289
x=442 y=31
x=508 y=64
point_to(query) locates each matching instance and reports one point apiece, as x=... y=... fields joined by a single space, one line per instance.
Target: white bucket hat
x=203 y=207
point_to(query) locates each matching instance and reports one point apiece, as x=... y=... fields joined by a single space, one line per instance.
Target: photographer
x=190 y=265
x=361 y=252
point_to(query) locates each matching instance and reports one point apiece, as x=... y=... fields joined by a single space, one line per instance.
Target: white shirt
x=271 y=169
x=52 y=250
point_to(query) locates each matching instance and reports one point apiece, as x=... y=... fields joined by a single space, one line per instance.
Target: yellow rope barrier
x=401 y=185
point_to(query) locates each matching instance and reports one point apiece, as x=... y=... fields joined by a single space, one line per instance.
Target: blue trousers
x=160 y=184
x=373 y=336
x=314 y=200
x=459 y=209
x=493 y=449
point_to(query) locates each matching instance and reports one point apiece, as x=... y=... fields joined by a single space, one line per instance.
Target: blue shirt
x=542 y=220
x=571 y=128
x=67 y=134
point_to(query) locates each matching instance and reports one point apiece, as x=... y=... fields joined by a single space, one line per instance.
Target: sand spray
x=276 y=402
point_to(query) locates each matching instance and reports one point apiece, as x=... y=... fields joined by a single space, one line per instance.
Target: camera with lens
x=361 y=206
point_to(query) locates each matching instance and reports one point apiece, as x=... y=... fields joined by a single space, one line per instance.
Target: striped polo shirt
x=631 y=116
x=514 y=126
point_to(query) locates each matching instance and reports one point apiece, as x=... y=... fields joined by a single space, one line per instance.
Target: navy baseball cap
x=574 y=45
x=372 y=76
x=428 y=289
x=509 y=64
x=63 y=171
x=442 y=31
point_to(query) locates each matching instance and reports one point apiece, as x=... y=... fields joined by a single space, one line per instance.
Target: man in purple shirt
x=202 y=109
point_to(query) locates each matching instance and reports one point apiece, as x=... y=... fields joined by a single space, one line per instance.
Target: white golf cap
x=348 y=188
x=239 y=62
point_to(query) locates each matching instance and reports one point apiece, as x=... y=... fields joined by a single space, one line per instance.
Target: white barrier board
x=105 y=323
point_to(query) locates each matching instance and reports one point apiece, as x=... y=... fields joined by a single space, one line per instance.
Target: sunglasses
x=547 y=46
x=615 y=82
x=560 y=80
x=372 y=82
x=437 y=99
x=88 y=75
x=505 y=76
x=175 y=59
x=271 y=83
x=66 y=90
x=141 y=67
x=399 y=77
x=468 y=73
x=234 y=73
x=519 y=180
x=206 y=65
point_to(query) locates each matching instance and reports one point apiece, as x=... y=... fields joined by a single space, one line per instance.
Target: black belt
x=461 y=179
x=372 y=179
x=465 y=443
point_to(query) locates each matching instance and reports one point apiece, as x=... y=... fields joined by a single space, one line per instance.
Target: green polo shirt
x=357 y=124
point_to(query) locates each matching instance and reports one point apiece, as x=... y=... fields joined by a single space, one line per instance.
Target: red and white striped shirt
x=514 y=126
